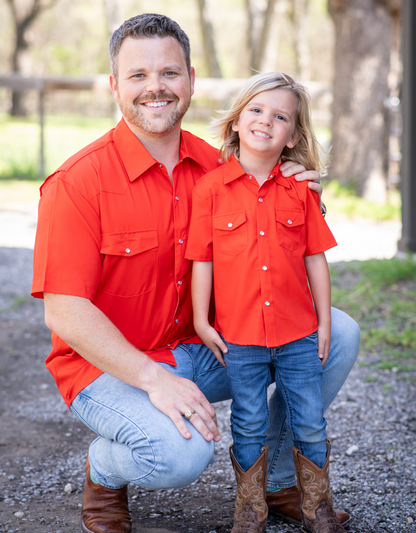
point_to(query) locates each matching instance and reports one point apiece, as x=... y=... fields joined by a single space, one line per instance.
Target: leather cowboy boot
x=318 y=515
x=286 y=505
x=104 y=510
x=250 y=505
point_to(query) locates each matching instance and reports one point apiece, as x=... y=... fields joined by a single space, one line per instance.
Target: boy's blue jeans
x=298 y=374
x=138 y=444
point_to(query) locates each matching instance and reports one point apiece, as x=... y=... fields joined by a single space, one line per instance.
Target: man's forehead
x=165 y=44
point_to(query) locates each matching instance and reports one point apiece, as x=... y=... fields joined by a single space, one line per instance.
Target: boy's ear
x=234 y=126
x=294 y=140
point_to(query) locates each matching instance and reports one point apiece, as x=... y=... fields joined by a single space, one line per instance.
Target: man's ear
x=235 y=126
x=192 y=79
x=113 y=87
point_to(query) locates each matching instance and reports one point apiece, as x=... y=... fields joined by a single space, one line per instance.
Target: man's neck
x=162 y=147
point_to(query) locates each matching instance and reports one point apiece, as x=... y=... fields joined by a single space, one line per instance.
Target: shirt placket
x=180 y=245
x=265 y=210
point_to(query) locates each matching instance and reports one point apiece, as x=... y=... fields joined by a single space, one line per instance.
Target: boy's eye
x=280 y=117
x=256 y=110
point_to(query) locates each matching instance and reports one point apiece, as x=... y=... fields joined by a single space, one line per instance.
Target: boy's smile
x=267 y=124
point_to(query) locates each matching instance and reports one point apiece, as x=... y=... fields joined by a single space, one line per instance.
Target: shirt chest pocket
x=230 y=232
x=290 y=227
x=129 y=266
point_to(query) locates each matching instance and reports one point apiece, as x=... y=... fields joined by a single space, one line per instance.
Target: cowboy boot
x=318 y=515
x=250 y=505
x=104 y=510
x=286 y=505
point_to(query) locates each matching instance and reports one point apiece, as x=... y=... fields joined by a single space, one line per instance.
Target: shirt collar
x=234 y=170
x=137 y=159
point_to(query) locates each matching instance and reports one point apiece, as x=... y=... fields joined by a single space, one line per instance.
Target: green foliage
x=381 y=296
x=343 y=199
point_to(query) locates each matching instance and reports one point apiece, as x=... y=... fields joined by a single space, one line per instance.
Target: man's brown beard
x=133 y=114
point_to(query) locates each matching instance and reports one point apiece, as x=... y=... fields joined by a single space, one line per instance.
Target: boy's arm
x=320 y=284
x=201 y=297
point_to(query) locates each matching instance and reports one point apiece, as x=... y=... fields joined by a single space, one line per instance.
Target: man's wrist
x=324 y=210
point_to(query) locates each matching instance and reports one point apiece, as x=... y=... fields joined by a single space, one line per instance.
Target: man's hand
x=324 y=342
x=174 y=396
x=213 y=341
x=90 y=333
x=290 y=168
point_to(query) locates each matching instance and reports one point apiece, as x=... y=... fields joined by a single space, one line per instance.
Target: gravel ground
x=372 y=425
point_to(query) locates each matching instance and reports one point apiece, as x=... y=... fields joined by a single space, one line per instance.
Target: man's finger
x=317 y=187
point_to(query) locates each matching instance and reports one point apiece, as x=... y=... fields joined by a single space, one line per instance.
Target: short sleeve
x=67 y=257
x=319 y=237
x=199 y=247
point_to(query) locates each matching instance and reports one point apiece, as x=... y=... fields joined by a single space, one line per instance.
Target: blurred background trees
x=348 y=48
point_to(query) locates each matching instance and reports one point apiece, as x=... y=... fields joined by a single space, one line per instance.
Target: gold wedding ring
x=189 y=414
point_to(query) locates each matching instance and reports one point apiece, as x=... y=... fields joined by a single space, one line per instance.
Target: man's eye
x=170 y=73
x=138 y=76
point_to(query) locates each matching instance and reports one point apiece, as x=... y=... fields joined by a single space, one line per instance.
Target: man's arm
x=320 y=283
x=201 y=297
x=90 y=333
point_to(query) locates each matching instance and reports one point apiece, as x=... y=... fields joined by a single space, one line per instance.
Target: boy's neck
x=259 y=167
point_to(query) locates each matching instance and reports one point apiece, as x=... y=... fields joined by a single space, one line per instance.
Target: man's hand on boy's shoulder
x=290 y=168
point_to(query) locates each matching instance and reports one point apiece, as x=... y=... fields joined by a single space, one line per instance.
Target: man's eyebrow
x=139 y=70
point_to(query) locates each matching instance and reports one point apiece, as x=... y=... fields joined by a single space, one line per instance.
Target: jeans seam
x=125 y=418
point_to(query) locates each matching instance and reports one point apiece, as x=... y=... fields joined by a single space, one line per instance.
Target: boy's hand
x=324 y=343
x=213 y=341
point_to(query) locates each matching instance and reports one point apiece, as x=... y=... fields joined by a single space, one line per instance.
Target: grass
x=342 y=199
x=381 y=296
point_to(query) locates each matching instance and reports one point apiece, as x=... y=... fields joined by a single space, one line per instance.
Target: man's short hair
x=148 y=25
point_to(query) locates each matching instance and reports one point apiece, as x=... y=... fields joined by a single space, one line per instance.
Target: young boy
x=262 y=238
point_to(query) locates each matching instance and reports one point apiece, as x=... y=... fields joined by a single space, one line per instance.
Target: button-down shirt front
x=113 y=228
x=257 y=238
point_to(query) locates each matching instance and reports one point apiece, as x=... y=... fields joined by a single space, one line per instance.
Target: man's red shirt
x=257 y=239
x=113 y=229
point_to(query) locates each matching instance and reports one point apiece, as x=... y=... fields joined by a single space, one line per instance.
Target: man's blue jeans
x=138 y=444
x=298 y=374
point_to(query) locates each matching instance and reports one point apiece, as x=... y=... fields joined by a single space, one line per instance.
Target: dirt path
x=42 y=446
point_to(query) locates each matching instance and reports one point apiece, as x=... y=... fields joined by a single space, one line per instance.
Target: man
x=110 y=265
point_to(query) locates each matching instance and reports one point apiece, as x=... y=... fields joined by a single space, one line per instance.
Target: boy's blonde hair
x=307 y=151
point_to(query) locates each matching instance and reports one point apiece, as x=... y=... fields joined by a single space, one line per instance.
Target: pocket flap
x=290 y=217
x=230 y=221
x=128 y=243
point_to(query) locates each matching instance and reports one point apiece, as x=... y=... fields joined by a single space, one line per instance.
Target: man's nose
x=155 y=84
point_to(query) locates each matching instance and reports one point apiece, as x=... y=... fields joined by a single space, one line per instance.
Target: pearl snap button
x=267 y=303
x=230 y=225
x=289 y=222
x=128 y=250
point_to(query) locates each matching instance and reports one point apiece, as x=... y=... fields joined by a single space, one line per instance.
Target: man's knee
x=179 y=463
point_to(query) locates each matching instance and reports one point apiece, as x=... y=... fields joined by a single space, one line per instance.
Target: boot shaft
x=250 y=503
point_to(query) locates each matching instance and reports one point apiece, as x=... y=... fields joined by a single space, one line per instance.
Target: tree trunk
x=363 y=44
x=208 y=41
x=258 y=31
x=22 y=22
x=299 y=16
x=114 y=15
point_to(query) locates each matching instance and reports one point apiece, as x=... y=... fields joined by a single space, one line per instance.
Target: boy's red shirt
x=257 y=239
x=112 y=229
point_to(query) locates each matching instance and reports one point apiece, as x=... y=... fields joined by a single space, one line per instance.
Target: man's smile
x=156 y=104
